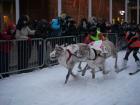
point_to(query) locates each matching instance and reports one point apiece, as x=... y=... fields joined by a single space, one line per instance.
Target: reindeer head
x=57 y=52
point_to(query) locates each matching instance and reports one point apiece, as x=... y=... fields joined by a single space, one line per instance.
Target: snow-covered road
x=46 y=87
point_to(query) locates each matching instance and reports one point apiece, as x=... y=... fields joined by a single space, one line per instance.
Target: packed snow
x=46 y=87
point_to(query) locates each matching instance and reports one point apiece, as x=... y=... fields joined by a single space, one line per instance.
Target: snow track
x=46 y=87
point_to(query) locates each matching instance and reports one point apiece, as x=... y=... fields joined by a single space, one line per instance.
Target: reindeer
x=68 y=56
x=97 y=57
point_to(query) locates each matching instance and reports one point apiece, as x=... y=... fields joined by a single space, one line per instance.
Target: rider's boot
x=138 y=64
x=124 y=63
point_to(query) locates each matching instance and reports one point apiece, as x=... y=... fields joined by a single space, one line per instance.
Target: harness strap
x=95 y=54
x=70 y=54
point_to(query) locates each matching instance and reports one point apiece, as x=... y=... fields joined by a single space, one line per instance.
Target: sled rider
x=132 y=38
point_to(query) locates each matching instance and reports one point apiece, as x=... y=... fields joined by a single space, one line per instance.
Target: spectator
x=92 y=23
x=83 y=27
x=42 y=29
x=94 y=35
x=5 y=47
x=71 y=27
x=116 y=27
x=108 y=27
x=42 y=32
x=64 y=23
x=55 y=26
x=101 y=25
x=24 y=43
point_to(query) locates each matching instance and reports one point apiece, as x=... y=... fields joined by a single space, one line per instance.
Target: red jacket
x=134 y=40
x=5 y=44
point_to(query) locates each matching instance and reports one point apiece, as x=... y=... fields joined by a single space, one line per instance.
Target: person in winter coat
x=55 y=27
x=94 y=40
x=71 y=27
x=94 y=35
x=132 y=38
x=83 y=27
x=22 y=28
x=24 y=41
x=5 y=47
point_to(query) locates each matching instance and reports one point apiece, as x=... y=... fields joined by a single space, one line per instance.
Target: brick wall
x=48 y=8
x=77 y=10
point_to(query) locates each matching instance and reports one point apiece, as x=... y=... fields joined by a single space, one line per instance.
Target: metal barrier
x=21 y=55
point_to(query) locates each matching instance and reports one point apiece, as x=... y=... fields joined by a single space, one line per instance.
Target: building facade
x=109 y=10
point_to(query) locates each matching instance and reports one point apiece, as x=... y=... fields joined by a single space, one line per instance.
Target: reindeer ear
x=56 y=45
x=66 y=44
x=62 y=45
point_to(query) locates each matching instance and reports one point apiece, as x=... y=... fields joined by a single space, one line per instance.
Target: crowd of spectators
x=65 y=25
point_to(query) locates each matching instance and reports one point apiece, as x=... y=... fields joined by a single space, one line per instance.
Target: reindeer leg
x=116 y=66
x=67 y=76
x=79 y=67
x=93 y=73
x=84 y=70
x=104 y=70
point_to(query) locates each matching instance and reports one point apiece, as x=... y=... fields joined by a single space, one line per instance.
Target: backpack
x=55 y=24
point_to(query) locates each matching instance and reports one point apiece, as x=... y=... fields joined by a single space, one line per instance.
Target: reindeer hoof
x=83 y=74
x=106 y=72
x=93 y=77
x=79 y=70
x=65 y=82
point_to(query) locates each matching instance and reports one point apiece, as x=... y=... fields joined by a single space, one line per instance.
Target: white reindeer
x=68 y=56
x=97 y=57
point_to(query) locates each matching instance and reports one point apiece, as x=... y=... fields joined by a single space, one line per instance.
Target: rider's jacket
x=94 y=37
x=133 y=39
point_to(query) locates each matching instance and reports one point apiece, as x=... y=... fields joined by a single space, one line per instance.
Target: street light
x=121 y=12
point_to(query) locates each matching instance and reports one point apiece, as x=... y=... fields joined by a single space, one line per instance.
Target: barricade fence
x=21 y=55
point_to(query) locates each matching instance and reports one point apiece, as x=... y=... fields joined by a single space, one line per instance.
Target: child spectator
x=24 y=45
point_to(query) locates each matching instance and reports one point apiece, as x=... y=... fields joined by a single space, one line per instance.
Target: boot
x=124 y=64
x=138 y=64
